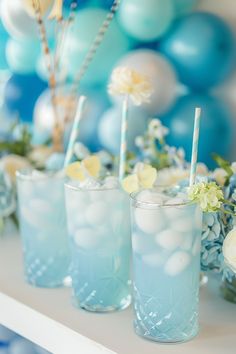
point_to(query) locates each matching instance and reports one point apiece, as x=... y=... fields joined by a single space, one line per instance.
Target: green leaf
x=225 y=165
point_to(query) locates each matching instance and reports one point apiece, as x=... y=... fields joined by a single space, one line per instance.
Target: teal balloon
x=184 y=6
x=3 y=41
x=22 y=55
x=109 y=129
x=202 y=48
x=79 y=40
x=146 y=20
x=215 y=130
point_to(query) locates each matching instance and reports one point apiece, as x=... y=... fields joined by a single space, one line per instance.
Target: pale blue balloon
x=110 y=127
x=216 y=126
x=184 y=6
x=146 y=20
x=22 y=55
x=201 y=46
x=3 y=41
x=79 y=40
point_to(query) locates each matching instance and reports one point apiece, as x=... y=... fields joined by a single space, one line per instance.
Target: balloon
x=146 y=20
x=110 y=127
x=44 y=118
x=202 y=48
x=88 y=131
x=161 y=74
x=21 y=346
x=96 y=104
x=22 y=55
x=3 y=41
x=21 y=93
x=43 y=4
x=80 y=38
x=16 y=20
x=184 y=6
x=215 y=130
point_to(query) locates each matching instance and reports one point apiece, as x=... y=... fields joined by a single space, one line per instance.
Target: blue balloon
x=96 y=105
x=110 y=127
x=146 y=20
x=202 y=48
x=184 y=6
x=21 y=93
x=22 y=55
x=215 y=130
x=78 y=42
x=3 y=41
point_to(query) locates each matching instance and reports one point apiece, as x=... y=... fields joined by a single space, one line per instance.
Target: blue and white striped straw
x=74 y=131
x=123 y=143
x=195 y=146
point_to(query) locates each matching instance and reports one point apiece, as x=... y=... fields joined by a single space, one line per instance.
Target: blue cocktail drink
x=99 y=229
x=43 y=228
x=166 y=238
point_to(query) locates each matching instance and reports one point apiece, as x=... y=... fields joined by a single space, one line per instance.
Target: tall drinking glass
x=99 y=229
x=43 y=228
x=166 y=243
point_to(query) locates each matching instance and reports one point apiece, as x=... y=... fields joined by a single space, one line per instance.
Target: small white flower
x=128 y=82
x=233 y=166
x=12 y=163
x=220 y=176
x=208 y=195
x=171 y=176
x=157 y=130
x=229 y=249
x=139 y=141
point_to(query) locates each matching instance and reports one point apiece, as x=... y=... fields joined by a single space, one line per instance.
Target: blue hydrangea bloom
x=7 y=198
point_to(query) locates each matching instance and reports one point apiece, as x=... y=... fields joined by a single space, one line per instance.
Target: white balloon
x=16 y=20
x=44 y=117
x=44 y=6
x=161 y=74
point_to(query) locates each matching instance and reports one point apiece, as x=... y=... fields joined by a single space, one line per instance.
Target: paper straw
x=123 y=143
x=195 y=146
x=74 y=131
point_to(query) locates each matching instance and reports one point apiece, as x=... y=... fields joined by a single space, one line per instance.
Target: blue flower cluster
x=7 y=197
x=215 y=228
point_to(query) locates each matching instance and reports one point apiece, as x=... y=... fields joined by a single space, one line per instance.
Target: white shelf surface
x=47 y=318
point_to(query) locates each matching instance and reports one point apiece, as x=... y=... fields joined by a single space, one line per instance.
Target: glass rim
x=141 y=203
x=69 y=185
x=26 y=175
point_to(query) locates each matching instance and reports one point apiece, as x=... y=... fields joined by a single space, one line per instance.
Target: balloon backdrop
x=44 y=118
x=109 y=128
x=96 y=105
x=161 y=74
x=22 y=55
x=16 y=20
x=216 y=126
x=202 y=48
x=146 y=20
x=184 y=6
x=80 y=38
x=21 y=93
